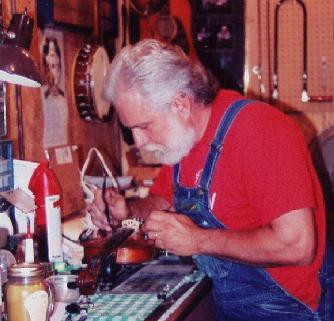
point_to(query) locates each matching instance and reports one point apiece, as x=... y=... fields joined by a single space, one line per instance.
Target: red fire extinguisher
x=46 y=188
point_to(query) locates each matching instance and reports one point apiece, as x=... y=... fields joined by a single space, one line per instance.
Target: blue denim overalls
x=244 y=292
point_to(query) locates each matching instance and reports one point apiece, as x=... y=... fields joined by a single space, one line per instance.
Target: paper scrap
x=21 y=200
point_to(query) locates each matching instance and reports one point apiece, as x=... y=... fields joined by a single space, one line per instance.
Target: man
x=242 y=197
x=52 y=67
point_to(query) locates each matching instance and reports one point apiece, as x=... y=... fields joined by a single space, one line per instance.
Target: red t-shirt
x=264 y=171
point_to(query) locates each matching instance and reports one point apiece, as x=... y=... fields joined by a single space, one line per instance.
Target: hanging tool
x=268 y=48
x=257 y=69
x=324 y=78
x=304 y=93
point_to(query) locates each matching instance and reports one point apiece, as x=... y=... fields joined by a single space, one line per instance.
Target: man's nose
x=139 y=137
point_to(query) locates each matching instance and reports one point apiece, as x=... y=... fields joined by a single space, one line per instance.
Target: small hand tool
x=106 y=211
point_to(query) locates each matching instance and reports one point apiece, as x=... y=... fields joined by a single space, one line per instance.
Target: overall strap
x=218 y=141
x=176 y=174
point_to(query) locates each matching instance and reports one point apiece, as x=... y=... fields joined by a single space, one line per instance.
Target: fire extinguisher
x=46 y=189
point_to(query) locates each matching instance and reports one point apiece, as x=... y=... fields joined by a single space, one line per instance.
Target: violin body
x=103 y=258
x=135 y=251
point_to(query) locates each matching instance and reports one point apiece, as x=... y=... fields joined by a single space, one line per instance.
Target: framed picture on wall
x=53 y=91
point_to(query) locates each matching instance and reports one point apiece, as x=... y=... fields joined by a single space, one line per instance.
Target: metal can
x=28 y=296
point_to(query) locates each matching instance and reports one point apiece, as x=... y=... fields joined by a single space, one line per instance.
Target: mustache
x=155 y=148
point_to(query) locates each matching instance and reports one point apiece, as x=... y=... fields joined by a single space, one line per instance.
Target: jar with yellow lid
x=28 y=296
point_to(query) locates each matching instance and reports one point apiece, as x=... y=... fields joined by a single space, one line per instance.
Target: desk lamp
x=16 y=64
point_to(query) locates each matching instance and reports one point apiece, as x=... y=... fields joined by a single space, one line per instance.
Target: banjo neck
x=97 y=27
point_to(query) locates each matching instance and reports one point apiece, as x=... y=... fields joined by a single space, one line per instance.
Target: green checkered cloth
x=120 y=307
x=127 y=307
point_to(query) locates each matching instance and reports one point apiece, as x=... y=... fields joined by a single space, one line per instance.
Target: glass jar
x=28 y=296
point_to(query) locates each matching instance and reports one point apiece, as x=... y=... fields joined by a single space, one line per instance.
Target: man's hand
x=172 y=232
x=287 y=240
x=117 y=208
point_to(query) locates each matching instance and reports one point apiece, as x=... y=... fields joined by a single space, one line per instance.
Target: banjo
x=91 y=64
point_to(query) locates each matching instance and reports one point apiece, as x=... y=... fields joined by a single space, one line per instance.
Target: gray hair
x=157 y=71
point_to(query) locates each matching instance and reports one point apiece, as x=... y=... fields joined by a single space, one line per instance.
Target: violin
x=104 y=256
x=135 y=251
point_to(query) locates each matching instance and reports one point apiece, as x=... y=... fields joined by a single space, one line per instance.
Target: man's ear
x=181 y=104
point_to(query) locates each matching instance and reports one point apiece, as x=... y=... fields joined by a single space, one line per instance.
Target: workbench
x=146 y=296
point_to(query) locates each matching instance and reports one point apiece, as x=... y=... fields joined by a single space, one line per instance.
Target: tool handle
x=321 y=98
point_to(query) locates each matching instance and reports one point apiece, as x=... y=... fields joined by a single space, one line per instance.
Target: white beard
x=178 y=146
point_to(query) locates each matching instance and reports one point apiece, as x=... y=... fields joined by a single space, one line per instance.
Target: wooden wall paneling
x=320 y=16
x=290 y=53
x=313 y=117
x=321 y=46
x=85 y=135
x=74 y=12
x=106 y=22
x=66 y=12
x=31 y=104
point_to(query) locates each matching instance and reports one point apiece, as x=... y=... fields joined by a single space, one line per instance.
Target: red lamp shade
x=18 y=67
x=16 y=64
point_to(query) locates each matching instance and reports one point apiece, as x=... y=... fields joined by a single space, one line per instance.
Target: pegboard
x=260 y=28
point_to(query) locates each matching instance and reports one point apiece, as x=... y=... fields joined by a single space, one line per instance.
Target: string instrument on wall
x=91 y=65
x=168 y=21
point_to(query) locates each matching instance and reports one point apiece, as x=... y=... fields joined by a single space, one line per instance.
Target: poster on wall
x=54 y=96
